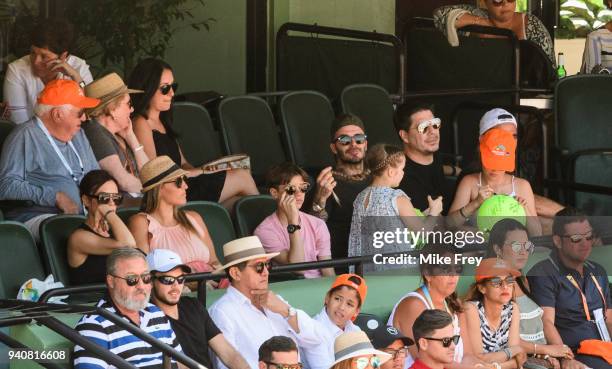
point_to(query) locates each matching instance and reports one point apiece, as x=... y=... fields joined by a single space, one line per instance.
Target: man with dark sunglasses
x=572 y=290
x=434 y=336
x=279 y=352
x=129 y=287
x=249 y=313
x=194 y=328
x=424 y=172
x=338 y=186
x=297 y=236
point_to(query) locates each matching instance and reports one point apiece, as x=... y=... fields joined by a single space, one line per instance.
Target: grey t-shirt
x=104 y=144
x=30 y=169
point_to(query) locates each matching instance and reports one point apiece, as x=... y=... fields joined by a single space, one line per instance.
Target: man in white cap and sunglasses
x=248 y=314
x=194 y=328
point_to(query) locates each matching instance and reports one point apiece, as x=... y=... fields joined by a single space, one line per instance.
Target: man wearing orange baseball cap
x=44 y=159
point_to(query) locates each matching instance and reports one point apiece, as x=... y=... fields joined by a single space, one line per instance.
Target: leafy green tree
x=578 y=18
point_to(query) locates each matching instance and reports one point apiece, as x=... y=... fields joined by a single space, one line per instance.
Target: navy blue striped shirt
x=123 y=343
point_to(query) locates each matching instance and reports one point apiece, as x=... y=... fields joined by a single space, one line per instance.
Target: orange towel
x=597 y=348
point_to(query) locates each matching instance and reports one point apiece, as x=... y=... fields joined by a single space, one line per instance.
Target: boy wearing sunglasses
x=194 y=328
x=433 y=334
x=297 y=237
x=572 y=290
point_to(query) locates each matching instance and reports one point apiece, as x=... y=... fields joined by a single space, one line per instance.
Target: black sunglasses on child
x=165 y=89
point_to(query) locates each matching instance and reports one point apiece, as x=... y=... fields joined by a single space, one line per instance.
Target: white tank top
x=457 y=330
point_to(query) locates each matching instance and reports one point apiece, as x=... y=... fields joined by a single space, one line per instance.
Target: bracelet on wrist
x=138 y=148
x=465 y=217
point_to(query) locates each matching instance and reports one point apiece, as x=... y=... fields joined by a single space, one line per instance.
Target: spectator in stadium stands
x=435 y=340
x=162 y=224
x=502 y=119
x=424 y=173
x=249 y=313
x=129 y=286
x=573 y=291
x=597 y=55
x=110 y=132
x=353 y=350
x=49 y=59
x=494 y=13
x=388 y=339
x=194 y=328
x=152 y=119
x=297 y=236
x=337 y=187
x=497 y=155
x=342 y=305
x=101 y=233
x=44 y=159
x=381 y=205
x=492 y=317
x=437 y=292
x=509 y=241
x=279 y=352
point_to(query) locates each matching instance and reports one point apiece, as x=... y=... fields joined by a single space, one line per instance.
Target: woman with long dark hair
x=152 y=120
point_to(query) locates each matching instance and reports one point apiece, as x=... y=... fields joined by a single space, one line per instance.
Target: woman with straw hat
x=110 y=133
x=163 y=224
x=353 y=350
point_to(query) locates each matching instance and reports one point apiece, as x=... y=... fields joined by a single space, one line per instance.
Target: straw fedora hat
x=353 y=344
x=243 y=249
x=159 y=170
x=106 y=89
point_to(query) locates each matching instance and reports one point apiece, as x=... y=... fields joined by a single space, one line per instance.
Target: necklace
x=351 y=177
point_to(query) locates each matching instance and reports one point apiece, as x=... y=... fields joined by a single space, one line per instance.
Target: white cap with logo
x=164 y=260
x=494 y=118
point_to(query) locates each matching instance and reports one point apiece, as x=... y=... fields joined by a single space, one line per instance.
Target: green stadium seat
x=252 y=210
x=217 y=221
x=199 y=141
x=126 y=213
x=54 y=234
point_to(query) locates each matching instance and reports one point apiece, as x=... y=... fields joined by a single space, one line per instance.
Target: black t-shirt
x=422 y=180
x=194 y=329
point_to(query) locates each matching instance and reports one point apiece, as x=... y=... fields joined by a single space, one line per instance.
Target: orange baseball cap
x=493 y=267
x=353 y=281
x=497 y=150
x=66 y=91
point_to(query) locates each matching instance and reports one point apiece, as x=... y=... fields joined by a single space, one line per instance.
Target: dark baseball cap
x=385 y=335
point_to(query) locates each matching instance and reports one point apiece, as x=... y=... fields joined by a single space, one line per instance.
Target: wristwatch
x=82 y=84
x=291 y=228
x=291 y=312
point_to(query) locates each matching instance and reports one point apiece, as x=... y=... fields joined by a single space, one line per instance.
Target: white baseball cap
x=164 y=260
x=494 y=118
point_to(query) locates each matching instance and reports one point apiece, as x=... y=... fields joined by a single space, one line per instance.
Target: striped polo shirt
x=123 y=343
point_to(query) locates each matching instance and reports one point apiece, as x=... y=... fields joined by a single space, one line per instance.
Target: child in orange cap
x=343 y=302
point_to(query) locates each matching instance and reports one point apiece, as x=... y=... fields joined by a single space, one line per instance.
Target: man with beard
x=573 y=291
x=337 y=188
x=424 y=173
x=249 y=313
x=189 y=319
x=129 y=287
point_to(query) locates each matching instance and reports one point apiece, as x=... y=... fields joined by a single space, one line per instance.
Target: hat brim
x=110 y=98
x=171 y=176
x=246 y=258
x=501 y=271
x=85 y=102
x=506 y=164
x=384 y=357
x=186 y=268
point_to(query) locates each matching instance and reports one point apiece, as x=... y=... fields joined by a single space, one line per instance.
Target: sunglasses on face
x=434 y=123
x=576 y=238
x=500 y=2
x=359 y=139
x=106 y=197
x=362 y=362
x=446 y=341
x=303 y=188
x=403 y=351
x=178 y=182
x=165 y=89
x=517 y=246
x=284 y=366
x=497 y=282
x=133 y=279
x=169 y=280
x=259 y=267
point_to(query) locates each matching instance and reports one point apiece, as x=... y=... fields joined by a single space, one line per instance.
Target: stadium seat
x=248 y=127
x=307 y=118
x=19 y=258
x=54 y=234
x=199 y=141
x=372 y=104
x=252 y=210
x=217 y=221
x=126 y=213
